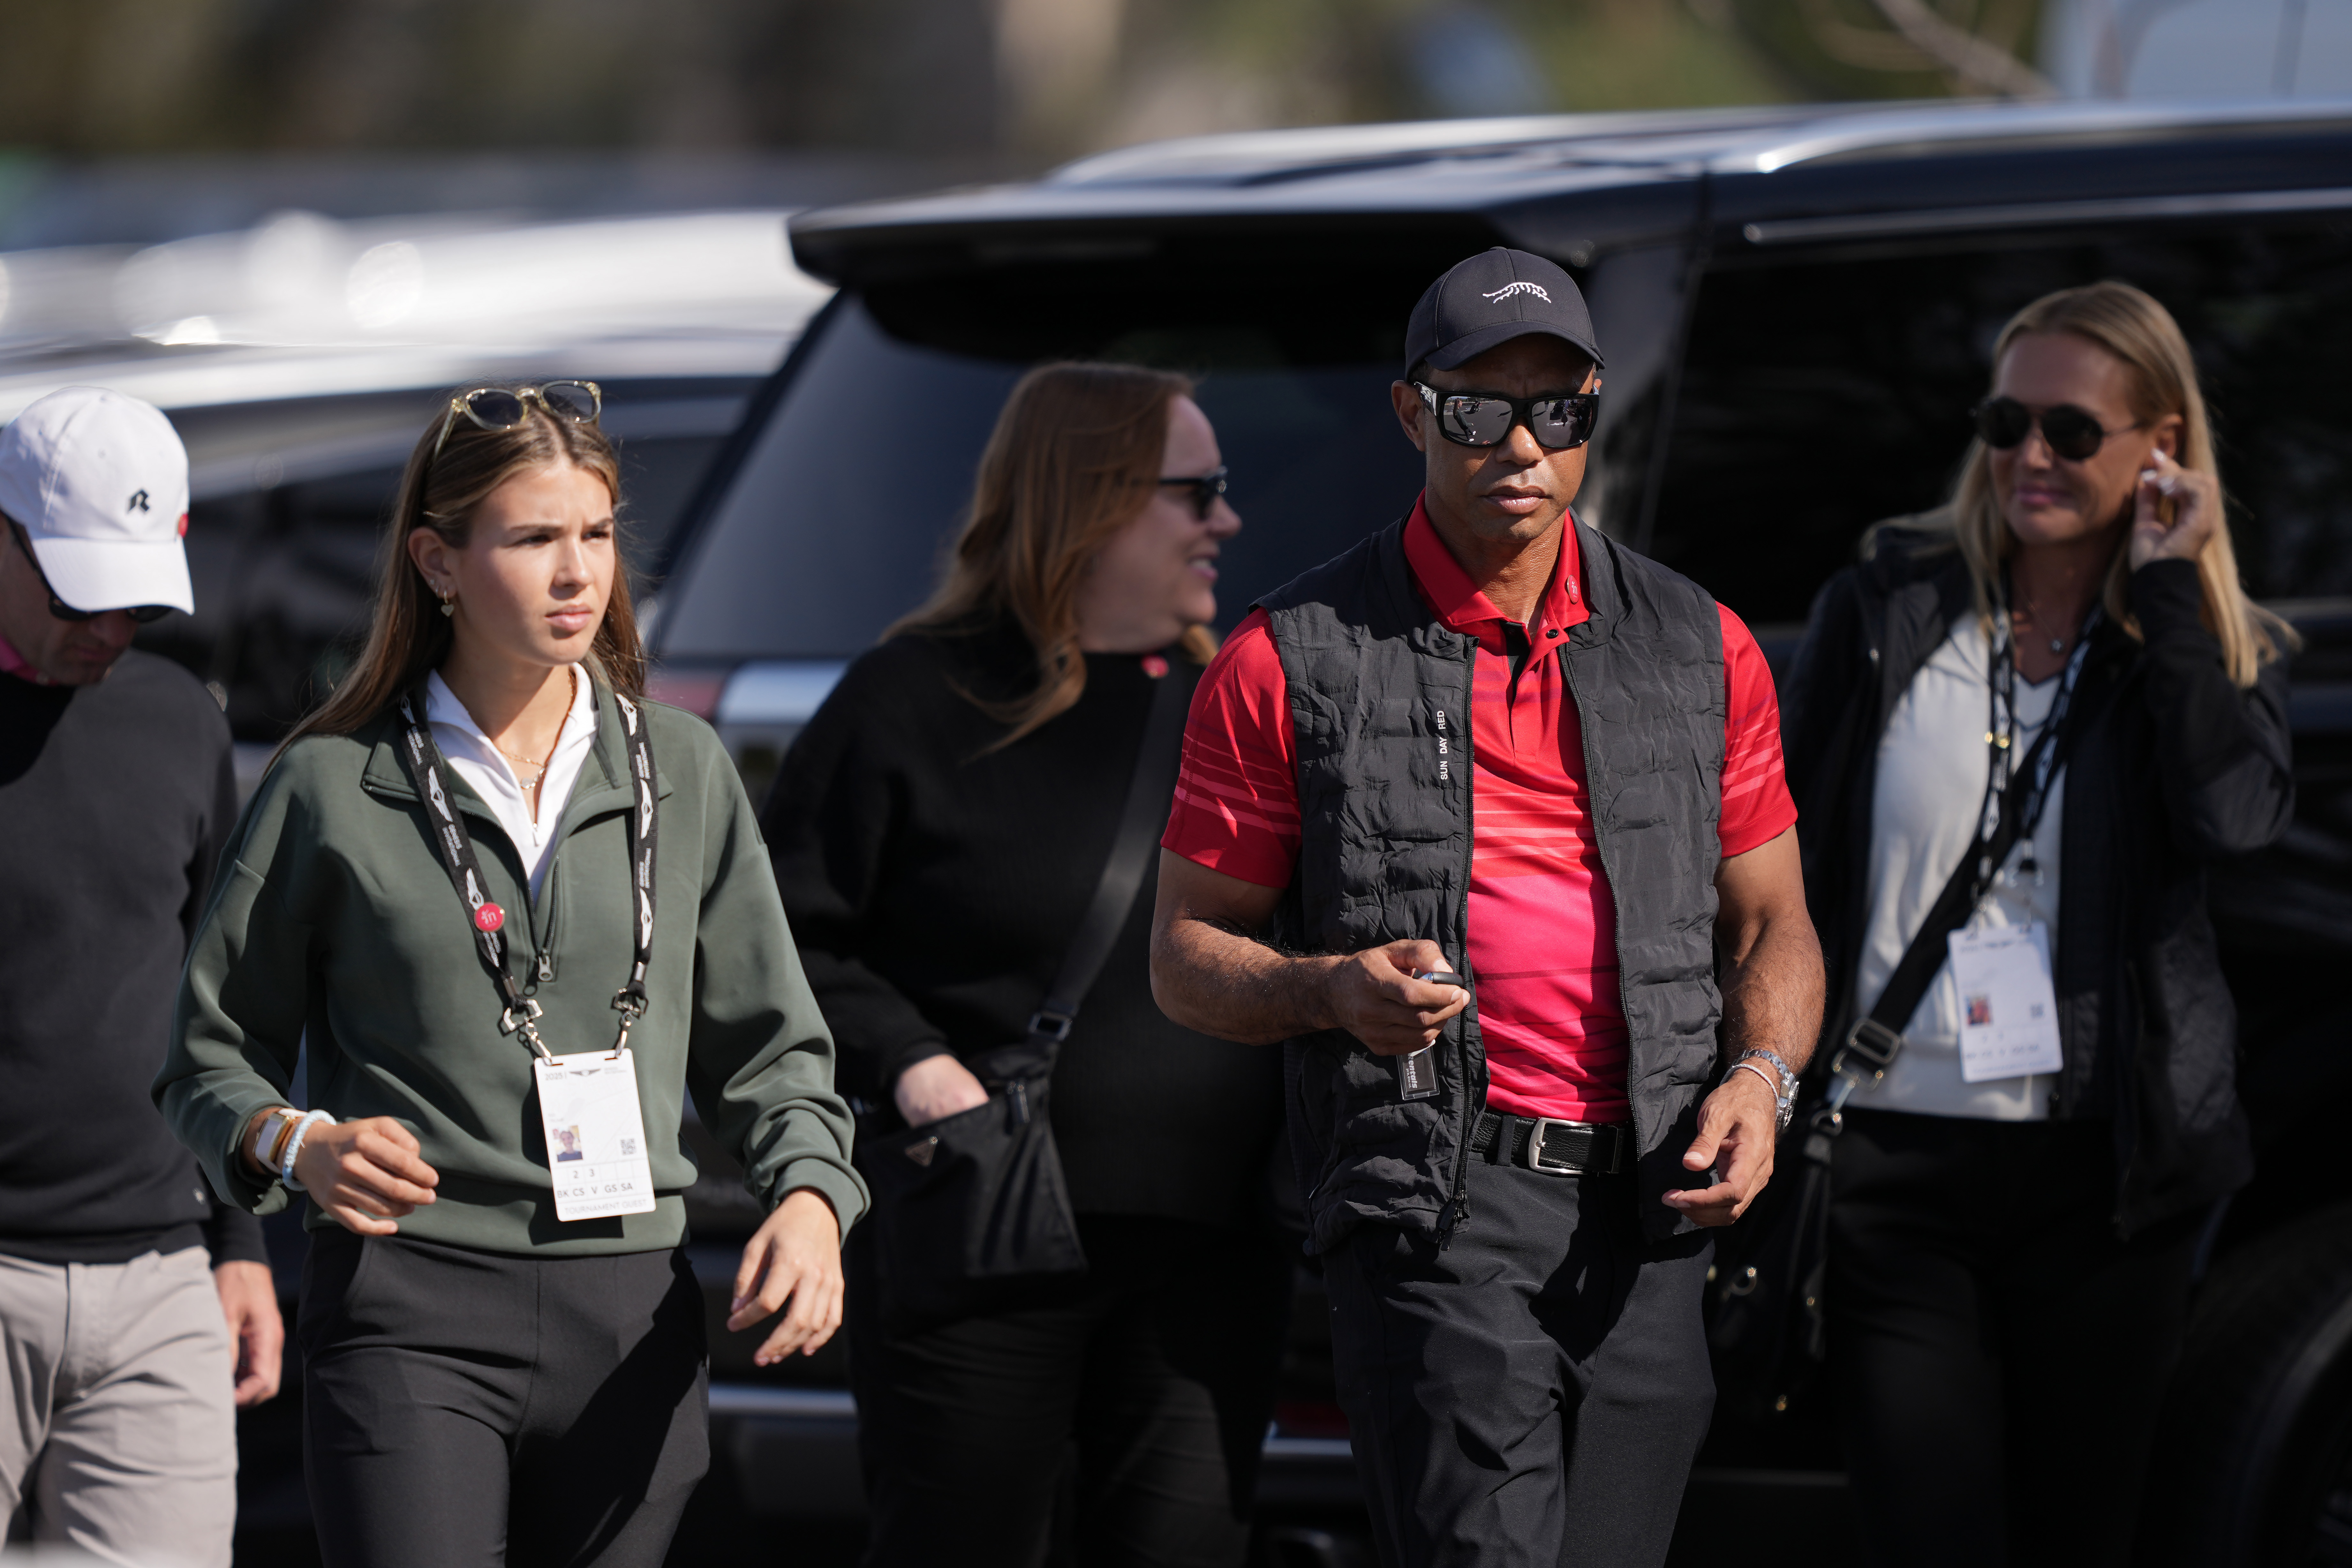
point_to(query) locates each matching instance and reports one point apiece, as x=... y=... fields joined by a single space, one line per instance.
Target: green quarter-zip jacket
x=334 y=920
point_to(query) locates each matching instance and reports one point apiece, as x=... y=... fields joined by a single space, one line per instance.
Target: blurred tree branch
x=1970 y=58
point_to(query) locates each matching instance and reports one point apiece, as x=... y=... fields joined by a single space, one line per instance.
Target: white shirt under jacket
x=1933 y=766
x=488 y=774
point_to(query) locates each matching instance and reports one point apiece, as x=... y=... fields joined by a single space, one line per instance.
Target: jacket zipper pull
x=546 y=966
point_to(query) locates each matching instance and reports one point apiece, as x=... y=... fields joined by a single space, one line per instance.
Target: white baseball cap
x=99 y=482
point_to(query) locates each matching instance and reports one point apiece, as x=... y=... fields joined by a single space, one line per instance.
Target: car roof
x=1629 y=177
x=305 y=307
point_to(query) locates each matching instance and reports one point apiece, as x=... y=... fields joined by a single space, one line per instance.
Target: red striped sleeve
x=1757 y=806
x=1237 y=791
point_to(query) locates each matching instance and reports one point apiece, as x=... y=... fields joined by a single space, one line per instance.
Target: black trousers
x=1154 y=1375
x=467 y=1408
x=1998 y=1354
x=1534 y=1391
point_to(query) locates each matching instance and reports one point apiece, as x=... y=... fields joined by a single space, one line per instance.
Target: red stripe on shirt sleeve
x=1237 y=806
x=1756 y=805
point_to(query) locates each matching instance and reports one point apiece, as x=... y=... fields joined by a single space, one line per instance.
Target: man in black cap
x=1485 y=821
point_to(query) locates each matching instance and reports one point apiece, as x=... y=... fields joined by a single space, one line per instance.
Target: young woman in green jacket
x=517 y=912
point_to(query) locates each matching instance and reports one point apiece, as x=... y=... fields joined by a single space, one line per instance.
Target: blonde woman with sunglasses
x=2018 y=732
x=511 y=912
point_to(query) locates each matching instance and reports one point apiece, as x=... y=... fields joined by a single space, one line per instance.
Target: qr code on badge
x=628 y=1148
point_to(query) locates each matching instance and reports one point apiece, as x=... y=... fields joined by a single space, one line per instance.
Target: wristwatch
x=1761 y=1061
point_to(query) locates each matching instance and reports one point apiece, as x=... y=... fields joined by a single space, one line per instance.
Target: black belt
x=1555 y=1148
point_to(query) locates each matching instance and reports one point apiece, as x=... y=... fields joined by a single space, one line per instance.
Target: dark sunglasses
x=1486 y=418
x=2074 y=435
x=1206 y=488
x=146 y=615
x=503 y=408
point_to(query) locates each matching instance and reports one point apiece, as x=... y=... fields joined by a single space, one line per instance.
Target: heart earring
x=448 y=601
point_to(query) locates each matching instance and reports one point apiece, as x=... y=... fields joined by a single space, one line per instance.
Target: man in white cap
x=136 y=1312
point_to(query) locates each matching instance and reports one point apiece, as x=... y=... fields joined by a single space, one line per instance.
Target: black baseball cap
x=1494 y=296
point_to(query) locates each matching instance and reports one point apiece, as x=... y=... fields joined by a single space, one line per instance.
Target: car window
x=1822 y=394
x=835 y=523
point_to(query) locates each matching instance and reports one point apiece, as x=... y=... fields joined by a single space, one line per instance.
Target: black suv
x=1797 y=305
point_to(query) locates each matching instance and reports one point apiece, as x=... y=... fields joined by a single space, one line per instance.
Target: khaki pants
x=119 y=1434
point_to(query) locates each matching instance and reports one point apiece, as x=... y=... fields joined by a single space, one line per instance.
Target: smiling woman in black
x=938 y=832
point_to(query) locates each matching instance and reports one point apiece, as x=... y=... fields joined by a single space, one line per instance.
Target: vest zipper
x=1601 y=844
x=1459 y=1205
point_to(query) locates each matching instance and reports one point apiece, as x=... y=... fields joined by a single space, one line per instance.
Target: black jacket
x=935 y=885
x=2172 y=765
x=1384 y=796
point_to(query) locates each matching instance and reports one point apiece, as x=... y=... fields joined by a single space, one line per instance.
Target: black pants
x=1158 y=1365
x=1998 y=1354
x=465 y=1408
x=1532 y=1392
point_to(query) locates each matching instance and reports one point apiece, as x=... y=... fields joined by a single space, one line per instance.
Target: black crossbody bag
x=968 y=1204
x=1768 y=1295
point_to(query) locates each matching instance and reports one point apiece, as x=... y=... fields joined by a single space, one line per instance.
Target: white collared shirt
x=488 y=774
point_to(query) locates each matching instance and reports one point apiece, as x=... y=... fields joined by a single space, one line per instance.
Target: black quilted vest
x=1380 y=695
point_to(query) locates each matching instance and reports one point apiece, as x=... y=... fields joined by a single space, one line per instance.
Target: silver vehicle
x=299 y=359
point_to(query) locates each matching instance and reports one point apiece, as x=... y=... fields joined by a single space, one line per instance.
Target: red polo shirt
x=1542 y=935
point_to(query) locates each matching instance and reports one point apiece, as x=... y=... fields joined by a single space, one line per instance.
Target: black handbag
x=1767 y=1297
x=969 y=1206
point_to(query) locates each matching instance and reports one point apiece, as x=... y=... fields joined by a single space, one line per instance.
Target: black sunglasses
x=146 y=615
x=1558 y=422
x=1206 y=488
x=2073 y=434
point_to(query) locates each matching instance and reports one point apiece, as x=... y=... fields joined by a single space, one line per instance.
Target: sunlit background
x=338 y=176
x=293 y=226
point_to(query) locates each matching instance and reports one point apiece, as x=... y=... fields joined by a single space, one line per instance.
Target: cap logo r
x=1507 y=289
x=138 y=502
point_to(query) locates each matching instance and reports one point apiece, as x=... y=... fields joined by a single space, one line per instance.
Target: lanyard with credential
x=521 y=1013
x=2001 y=738
x=1873 y=1043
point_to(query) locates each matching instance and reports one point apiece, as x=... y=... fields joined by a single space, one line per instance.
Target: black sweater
x=934 y=887
x=115 y=799
x=2171 y=765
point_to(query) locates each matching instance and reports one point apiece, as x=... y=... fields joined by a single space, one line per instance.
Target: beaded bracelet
x=294 y=1146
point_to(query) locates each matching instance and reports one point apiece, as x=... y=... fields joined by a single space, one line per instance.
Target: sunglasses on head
x=2071 y=434
x=146 y=615
x=1558 y=422
x=1206 y=488
x=503 y=408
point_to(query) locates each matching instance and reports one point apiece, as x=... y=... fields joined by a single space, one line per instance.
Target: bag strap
x=1877 y=1039
x=1917 y=969
x=1140 y=823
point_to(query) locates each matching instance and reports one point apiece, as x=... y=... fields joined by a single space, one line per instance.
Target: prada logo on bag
x=921 y=1152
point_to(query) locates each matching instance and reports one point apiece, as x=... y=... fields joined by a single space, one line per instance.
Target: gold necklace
x=539 y=769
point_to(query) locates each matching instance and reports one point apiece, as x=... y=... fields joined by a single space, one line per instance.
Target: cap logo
x=138 y=502
x=1507 y=289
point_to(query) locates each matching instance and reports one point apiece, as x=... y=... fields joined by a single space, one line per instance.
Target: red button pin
x=1154 y=665
x=489 y=917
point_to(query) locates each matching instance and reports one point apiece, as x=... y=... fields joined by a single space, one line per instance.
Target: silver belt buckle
x=1536 y=1138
